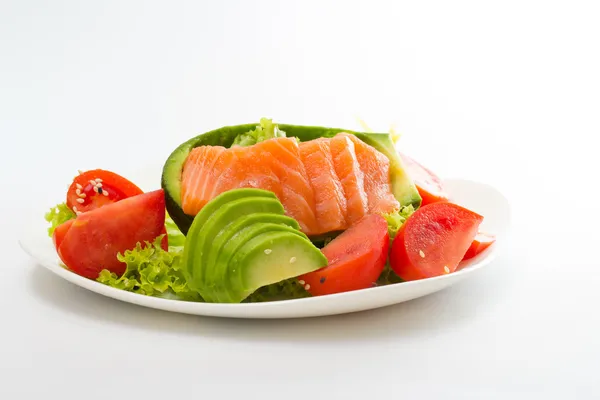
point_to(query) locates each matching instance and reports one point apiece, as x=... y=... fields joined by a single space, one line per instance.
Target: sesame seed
x=99 y=184
x=95 y=189
x=104 y=192
x=82 y=195
x=78 y=213
x=79 y=186
x=307 y=286
x=421 y=254
x=80 y=201
x=93 y=182
x=78 y=191
x=99 y=180
x=268 y=251
x=75 y=208
x=446 y=269
x=301 y=282
x=292 y=260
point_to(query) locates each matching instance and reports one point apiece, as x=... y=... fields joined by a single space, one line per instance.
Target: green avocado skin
x=403 y=187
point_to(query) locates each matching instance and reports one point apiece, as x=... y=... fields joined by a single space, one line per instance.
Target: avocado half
x=403 y=187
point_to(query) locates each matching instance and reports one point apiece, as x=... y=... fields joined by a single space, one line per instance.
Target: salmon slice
x=376 y=169
x=296 y=193
x=330 y=201
x=351 y=177
x=242 y=167
x=197 y=171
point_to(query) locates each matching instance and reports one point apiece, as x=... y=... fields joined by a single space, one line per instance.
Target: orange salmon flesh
x=326 y=184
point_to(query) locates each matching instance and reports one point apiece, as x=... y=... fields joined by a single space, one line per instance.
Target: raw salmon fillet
x=326 y=184
x=351 y=177
x=376 y=168
x=273 y=165
x=330 y=201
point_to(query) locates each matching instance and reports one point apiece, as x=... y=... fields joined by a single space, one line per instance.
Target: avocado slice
x=234 y=228
x=206 y=212
x=402 y=186
x=217 y=284
x=203 y=242
x=269 y=258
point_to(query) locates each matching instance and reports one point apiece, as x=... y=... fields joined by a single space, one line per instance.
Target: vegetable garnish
x=356 y=259
x=429 y=185
x=265 y=130
x=433 y=241
x=481 y=242
x=94 y=238
x=397 y=218
x=58 y=215
x=151 y=271
x=96 y=188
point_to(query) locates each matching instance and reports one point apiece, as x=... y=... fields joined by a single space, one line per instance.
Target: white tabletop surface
x=503 y=92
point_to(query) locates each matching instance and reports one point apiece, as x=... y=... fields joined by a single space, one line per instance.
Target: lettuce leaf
x=176 y=237
x=388 y=276
x=265 y=130
x=285 y=290
x=58 y=215
x=151 y=271
x=395 y=221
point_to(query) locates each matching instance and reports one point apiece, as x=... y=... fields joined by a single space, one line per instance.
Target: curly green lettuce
x=58 y=215
x=395 y=221
x=151 y=271
x=176 y=237
x=265 y=130
x=285 y=290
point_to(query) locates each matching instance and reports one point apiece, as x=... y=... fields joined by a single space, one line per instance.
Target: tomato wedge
x=96 y=188
x=433 y=241
x=428 y=184
x=356 y=258
x=481 y=242
x=93 y=240
x=60 y=232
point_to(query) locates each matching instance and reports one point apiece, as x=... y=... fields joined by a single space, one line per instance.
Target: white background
x=505 y=92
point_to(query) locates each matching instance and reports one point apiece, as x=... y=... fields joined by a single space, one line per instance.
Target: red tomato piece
x=433 y=241
x=94 y=238
x=60 y=232
x=96 y=188
x=356 y=258
x=481 y=242
x=428 y=184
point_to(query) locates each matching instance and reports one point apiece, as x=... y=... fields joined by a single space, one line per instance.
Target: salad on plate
x=266 y=212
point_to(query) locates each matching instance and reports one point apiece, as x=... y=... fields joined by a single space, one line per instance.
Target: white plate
x=476 y=196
